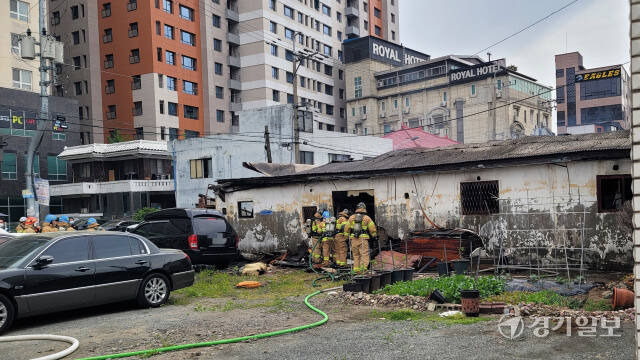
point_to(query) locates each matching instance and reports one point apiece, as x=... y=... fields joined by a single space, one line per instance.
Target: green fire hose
x=325 y=318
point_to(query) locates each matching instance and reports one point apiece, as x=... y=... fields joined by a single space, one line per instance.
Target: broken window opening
x=350 y=199
x=245 y=209
x=308 y=212
x=613 y=192
x=479 y=197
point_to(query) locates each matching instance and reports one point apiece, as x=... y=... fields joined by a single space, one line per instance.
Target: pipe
x=148 y=352
x=59 y=355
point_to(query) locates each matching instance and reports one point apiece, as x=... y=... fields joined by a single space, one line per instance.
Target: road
x=351 y=333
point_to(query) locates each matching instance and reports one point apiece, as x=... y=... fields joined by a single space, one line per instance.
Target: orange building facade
x=152 y=69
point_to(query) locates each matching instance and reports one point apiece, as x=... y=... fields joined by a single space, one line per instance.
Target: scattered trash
x=450 y=313
x=332 y=293
x=254 y=269
x=437 y=296
x=248 y=284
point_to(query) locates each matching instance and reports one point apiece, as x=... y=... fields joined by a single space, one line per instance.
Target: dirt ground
x=351 y=333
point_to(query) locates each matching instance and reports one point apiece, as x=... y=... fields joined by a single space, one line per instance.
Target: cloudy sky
x=598 y=29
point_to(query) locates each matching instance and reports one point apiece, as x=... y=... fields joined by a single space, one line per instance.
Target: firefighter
x=360 y=228
x=63 y=224
x=49 y=224
x=340 y=240
x=30 y=225
x=317 y=230
x=92 y=224
x=21 y=226
x=328 y=238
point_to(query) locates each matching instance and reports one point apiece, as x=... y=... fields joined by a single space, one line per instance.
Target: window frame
x=599 y=195
x=494 y=207
x=244 y=215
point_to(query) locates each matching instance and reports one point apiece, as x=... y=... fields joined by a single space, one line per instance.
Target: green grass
x=548 y=297
x=407 y=314
x=449 y=286
x=274 y=292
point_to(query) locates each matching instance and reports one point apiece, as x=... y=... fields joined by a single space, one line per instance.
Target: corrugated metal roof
x=532 y=149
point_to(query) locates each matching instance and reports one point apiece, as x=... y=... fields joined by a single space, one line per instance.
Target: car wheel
x=7 y=313
x=154 y=291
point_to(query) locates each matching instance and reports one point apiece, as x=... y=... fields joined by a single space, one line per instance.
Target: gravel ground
x=349 y=334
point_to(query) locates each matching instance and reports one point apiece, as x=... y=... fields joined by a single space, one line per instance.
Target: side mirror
x=43 y=261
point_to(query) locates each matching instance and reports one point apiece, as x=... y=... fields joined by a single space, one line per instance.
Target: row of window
x=184 y=12
x=189 y=112
x=19 y=10
x=56 y=168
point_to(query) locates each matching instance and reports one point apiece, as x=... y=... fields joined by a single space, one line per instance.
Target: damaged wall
x=548 y=206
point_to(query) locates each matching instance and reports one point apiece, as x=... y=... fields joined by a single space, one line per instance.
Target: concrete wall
x=540 y=205
x=229 y=151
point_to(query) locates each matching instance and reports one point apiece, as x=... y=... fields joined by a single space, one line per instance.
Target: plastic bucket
x=385 y=278
x=437 y=296
x=396 y=275
x=460 y=266
x=470 y=302
x=443 y=268
x=364 y=282
x=352 y=287
x=407 y=274
x=375 y=282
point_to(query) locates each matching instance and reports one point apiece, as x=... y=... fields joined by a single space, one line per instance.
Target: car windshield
x=13 y=252
x=209 y=225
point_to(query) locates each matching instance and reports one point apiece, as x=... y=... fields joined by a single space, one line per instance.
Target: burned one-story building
x=537 y=199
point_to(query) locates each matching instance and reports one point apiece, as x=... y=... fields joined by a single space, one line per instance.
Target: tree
x=115 y=137
x=140 y=214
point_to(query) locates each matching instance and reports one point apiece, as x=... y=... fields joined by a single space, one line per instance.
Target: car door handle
x=141 y=262
x=83 y=269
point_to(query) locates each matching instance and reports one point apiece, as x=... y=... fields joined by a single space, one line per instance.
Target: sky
x=598 y=29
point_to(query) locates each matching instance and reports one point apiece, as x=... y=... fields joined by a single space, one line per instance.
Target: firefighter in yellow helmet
x=360 y=228
x=328 y=238
x=340 y=240
x=317 y=231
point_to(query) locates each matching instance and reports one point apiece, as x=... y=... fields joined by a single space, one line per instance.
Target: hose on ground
x=325 y=318
x=59 y=355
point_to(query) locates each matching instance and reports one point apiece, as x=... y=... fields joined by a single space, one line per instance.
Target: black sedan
x=49 y=272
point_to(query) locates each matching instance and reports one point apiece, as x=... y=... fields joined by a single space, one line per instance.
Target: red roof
x=409 y=138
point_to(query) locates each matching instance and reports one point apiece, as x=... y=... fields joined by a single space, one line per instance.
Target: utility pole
x=267 y=144
x=297 y=61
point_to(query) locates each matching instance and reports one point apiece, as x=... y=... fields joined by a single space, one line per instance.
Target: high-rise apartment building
x=165 y=69
x=16 y=16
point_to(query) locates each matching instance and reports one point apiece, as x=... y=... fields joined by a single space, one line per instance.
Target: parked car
x=49 y=272
x=118 y=225
x=204 y=234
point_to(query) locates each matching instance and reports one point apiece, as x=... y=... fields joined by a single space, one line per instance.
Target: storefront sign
x=474 y=73
x=27 y=194
x=595 y=75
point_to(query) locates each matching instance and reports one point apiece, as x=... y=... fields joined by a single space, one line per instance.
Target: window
x=220 y=116
x=200 y=168
x=15 y=43
x=288 y=12
x=21 y=79
x=393 y=18
x=327 y=50
x=159 y=54
x=173 y=133
x=108 y=36
x=275 y=73
x=217 y=68
x=387 y=128
x=288 y=33
x=110 y=88
x=393 y=35
x=329 y=109
x=479 y=197
x=132 y=5
x=601 y=88
x=473 y=89
x=613 y=192
x=186 y=13
x=77 y=63
x=559 y=73
x=158 y=28
x=188 y=63
x=137 y=108
x=341 y=93
x=133 y=29
x=219 y=92
x=601 y=114
x=339 y=36
x=172 y=108
x=106 y=10
x=338 y=16
x=377 y=30
x=78 y=87
x=167 y=5
x=289 y=77
x=188 y=38
x=274 y=50
x=300 y=17
x=328 y=89
x=189 y=87
x=306 y=157
x=275 y=95
x=57 y=169
x=9 y=166
x=111 y=112
x=326 y=30
x=168 y=31
x=406 y=101
x=76 y=37
x=216 y=20
x=377 y=13
x=217 y=44
x=191 y=112
x=19 y=10
x=444 y=96
x=162 y=112
x=328 y=70
x=171 y=83
x=326 y=10
x=111 y=246
x=395 y=103
x=289 y=98
x=69 y=250
x=245 y=209
x=272 y=4
x=366 y=25
x=162 y=131
x=357 y=83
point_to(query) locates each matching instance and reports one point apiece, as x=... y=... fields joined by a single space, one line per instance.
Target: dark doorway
x=349 y=200
x=308 y=212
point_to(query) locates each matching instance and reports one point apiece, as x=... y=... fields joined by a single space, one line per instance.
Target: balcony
x=233 y=38
x=90 y=188
x=233 y=61
x=352 y=11
x=352 y=31
x=234 y=84
x=232 y=14
x=236 y=103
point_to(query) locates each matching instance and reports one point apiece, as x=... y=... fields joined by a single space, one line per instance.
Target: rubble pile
x=419 y=303
x=540 y=310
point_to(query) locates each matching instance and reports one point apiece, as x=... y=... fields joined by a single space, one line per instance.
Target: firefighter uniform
x=317 y=231
x=92 y=224
x=361 y=228
x=328 y=238
x=48 y=224
x=63 y=224
x=340 y=240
